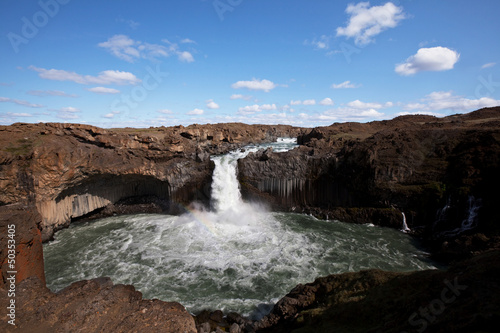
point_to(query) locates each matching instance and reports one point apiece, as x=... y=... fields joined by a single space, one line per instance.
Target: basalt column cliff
x=441 y=173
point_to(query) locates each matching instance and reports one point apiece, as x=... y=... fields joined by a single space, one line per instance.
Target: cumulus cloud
x=195 y=112
x=20 y=102
x=125 y=48
x=309 y=102
x=264 y=85
x=429 y=59
x=104 y=78
x=104 y=90
x=239 y=96
x=185 y=56
x=326 y=101
x=445 y=100
x=345 y=85
x=357 y=104
x=366 y=22
x=252 y=109
x=212 y=105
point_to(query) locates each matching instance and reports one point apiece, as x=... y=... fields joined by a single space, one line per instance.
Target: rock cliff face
x=441 y=172
x=68 y=171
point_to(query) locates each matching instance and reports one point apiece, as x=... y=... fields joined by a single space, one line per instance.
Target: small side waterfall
x=470 y=222
x=405 y=228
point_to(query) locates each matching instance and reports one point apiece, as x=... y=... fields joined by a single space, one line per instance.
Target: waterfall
x=225 y=190
x=405 y=228
x=225 y=187
x=470 y=222
x=441 y=213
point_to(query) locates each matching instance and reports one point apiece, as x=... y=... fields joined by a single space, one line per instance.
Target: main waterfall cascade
x=234 y=257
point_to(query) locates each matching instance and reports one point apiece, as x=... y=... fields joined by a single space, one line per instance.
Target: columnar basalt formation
x=372 y=173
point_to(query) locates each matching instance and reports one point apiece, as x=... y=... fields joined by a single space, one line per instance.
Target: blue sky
x=123 y=63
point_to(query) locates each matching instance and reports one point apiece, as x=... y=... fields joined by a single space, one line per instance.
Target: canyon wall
x=441 y=172
x=68 y=171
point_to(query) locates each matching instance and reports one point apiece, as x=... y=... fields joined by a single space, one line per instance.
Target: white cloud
x=252 y=109
x=67 y=112
x=366 y=22
x=429 y=59
x=187 y=41
x=323 y=43
x=295 y=102
x=165 y=111
x=255 y=84
x=345 y=85
x=104 y=78
x=212 y=105
x=309 y=102
x=43 y=93
x=104 y=91
x=111 y=115
x=488 y=65
x=185 y=56
x=125 y=48
x=358 y=105
x=239 y=96
x=195 y=112
x=20 y=102
x=445 y=100
x=13 y=114
x=326 y=101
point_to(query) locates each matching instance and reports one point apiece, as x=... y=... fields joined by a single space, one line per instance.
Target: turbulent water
x=233 y=257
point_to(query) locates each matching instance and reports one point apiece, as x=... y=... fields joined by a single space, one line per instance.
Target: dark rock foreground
x=442 y=173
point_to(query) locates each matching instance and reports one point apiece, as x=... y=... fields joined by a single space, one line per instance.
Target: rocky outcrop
x=441 y=172
x=461 y=299
x=91 y=306
x=21 y=245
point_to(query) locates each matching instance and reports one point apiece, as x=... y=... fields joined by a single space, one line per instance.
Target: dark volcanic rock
x=462 y=299
x=372 y=173
x=92 y=306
